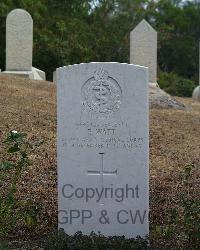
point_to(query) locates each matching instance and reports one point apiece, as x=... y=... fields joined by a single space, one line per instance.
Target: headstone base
x=153 y=85
x=158 y=98
x=196 y=93
x=34 y=74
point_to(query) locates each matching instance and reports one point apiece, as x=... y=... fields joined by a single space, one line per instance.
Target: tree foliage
x=75 y=31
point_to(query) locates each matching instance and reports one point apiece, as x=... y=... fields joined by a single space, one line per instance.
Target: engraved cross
x=101 y=172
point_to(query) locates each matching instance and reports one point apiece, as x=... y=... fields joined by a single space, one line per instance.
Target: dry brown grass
x=30 y=107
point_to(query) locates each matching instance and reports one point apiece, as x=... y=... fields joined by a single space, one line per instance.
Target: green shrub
x=184 y=218
x=175 y=85
x=3 y=245
x=61 y=241
x=191 y=209
x=16 y=151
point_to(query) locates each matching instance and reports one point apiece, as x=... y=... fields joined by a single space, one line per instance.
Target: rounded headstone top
x=19 y=15
x=19 y=40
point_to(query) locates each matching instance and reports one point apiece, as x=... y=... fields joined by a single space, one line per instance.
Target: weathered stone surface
x=143 y=48
x=19 y=40
x=160 y=99
x=103 y=175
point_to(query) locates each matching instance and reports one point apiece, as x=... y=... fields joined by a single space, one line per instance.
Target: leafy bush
x=191 y=209
x=3 y=245
x=183 y=225
x=16 y=151
x=175 y=85
x=61 y=241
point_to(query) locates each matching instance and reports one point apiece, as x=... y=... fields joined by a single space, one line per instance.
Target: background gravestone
x=196 y=92
x=143 y=51
x=103 y=146
x=19 y=45
x=143 y=48
x=19 y=40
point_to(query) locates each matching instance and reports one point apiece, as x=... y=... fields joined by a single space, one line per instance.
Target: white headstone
x=196 y=92
x=143 y=48
x=19 y=40
x=103 y=173
x=19 y=46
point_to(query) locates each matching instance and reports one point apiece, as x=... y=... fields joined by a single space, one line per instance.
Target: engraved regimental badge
x=101 y=94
